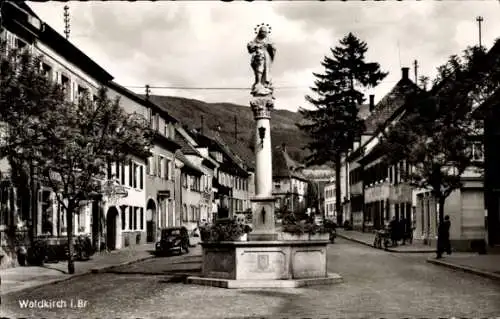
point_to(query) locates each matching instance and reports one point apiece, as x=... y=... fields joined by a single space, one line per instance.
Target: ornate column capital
x=262 y=106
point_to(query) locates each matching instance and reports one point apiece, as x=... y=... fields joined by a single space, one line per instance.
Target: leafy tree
x=434 y=135
x=334 y=123
x=70 y=145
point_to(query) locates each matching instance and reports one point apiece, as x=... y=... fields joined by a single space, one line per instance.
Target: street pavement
x=376 y=284
x=20 y=278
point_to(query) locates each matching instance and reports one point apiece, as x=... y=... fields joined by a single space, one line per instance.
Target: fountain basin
x=265 y=264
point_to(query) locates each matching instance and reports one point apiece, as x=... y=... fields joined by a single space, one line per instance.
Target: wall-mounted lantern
x=262 y=134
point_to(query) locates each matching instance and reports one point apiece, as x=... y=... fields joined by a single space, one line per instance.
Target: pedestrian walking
x=394 y=230
x=402 y=230
x=443 y=243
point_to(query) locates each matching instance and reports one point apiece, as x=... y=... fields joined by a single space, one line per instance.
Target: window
x=158 y=166
x=166 y=171
x=136 y=209
x=117 y=170
x=135 y=168
x=124 y=218
x=122 y=175
x=20 y=44
x=130 y=174
x=47 y=71
x=150 y=165
x=184 y=213
x=477 y=152
x=66 y=85
x=130 y=217
x=81 y=92
x=141 y=178
x=157 y=122
x=142 y=215
x=166 y=130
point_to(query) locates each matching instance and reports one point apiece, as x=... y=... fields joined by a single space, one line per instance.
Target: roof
x=186 y=147
x=214 y=141
x=285 y=166
x=389 y=104
x=141 y=100
x=60 y=44
x=189 y=166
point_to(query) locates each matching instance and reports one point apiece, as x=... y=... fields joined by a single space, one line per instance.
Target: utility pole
x=148 y=91
x=235 y=129
x=202 y=124
x=415 y=66
x=66 y=22
x=479 y=20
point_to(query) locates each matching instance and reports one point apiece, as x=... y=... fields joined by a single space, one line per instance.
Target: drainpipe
x=175 y=187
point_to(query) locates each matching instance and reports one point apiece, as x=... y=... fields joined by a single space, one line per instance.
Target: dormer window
x=47 y=71
x=65 y=83
x=20 y=44
x=81 y=91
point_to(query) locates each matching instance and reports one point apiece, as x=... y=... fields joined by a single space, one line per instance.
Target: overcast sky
x=203 y=44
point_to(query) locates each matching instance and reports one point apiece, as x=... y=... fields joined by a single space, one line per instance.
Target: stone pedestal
x=263 y=219
x=265 y=264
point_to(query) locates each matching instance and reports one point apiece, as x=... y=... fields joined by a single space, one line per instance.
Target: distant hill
x=283 y=123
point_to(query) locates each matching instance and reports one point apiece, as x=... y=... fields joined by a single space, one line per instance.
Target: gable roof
x=186 y=147
x=233 y=163
x=285 y=166
x=389 y=104
x=21 y=12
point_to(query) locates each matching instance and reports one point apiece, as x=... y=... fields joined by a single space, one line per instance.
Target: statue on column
x=263 y=52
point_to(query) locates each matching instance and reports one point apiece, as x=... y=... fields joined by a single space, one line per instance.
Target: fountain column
x=263 y=202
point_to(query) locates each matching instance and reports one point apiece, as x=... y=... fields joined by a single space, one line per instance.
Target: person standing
x=443 y=243
x=393 y=229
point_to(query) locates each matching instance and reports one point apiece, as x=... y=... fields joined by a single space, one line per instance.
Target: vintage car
x=173 y=240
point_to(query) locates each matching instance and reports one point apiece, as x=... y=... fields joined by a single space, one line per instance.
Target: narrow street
x=376 y=284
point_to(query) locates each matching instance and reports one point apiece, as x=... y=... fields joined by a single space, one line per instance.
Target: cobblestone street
x=376 y=284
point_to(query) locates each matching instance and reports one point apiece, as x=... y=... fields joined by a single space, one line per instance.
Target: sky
x=203 y=43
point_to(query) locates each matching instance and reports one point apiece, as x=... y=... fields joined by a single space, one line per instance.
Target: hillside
x=190 y=113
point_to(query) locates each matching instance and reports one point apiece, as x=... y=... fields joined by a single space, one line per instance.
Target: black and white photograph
x=250 y=159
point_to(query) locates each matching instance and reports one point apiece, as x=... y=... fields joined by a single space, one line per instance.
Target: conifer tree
x=334 y=123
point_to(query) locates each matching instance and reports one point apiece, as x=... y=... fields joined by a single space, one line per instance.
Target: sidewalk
x=20 y=278
x=482 y=265
x=367 y=239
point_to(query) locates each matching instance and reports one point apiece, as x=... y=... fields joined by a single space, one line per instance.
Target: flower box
x=243 y=237
x=291 y=236
x=305 y=236
x=319 y=236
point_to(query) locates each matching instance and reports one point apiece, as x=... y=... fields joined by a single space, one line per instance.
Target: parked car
x=318 y=220
x=194 y=237
x=173 y=240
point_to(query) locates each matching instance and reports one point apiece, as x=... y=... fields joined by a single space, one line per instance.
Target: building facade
x=290 y=186
x=66 y=65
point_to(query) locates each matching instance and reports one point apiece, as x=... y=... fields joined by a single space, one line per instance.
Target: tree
x=434 y=136
x=334 y=124
x=70 y=145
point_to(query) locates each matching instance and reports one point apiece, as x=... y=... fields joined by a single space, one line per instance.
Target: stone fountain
x=264 y=261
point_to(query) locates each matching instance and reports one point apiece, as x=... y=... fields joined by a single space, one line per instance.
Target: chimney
x=372 y=102
x=404 y=73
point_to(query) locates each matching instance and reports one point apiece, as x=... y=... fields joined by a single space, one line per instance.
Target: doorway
x=111 y=232
x=150 y=221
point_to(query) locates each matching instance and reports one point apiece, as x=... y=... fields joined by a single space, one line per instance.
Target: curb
x=466 y=269
x=97 y=270
x=421 y=251
x=69 y=277
x=355 y=240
